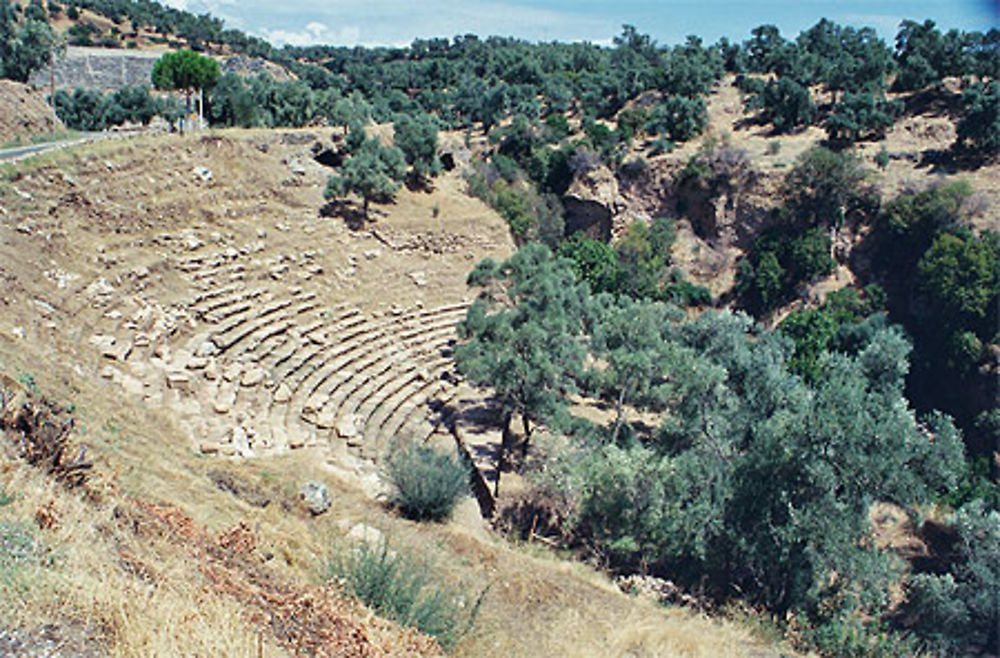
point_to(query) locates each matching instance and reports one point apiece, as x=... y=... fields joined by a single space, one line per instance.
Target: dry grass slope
x=24 y=114
x=160 y=560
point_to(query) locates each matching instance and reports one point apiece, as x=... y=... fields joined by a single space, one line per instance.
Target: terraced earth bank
x=202 y=275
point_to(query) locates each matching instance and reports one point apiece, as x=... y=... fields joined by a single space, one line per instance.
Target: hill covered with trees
x=756 y=417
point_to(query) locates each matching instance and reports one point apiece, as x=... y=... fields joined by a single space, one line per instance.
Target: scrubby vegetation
x=637 y=266
x=395 y=585
x=428 y=483
x=91 y=110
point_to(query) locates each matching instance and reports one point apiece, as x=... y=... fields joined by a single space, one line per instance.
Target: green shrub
x=861 y=116
x=956 y=612
x=979 y=127
x=678 y=118
x=18 y=544
x=19 y=550
x=594 y=261
x=882 y=158
x=556 y=128
x=27 y=380
x=661 y=145
x=396 y=586
x=428 y=483
x=787 y=104
x=848 y=637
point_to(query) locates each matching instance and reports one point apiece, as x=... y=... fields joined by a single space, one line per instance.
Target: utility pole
x=52 y=78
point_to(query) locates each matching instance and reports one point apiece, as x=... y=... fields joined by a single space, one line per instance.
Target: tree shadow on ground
x=415 y=183
x=951 y=160
x=933 y=102
x=349 y=211
x=479 y=416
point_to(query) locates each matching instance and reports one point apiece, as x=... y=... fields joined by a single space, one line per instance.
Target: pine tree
x=185 y=71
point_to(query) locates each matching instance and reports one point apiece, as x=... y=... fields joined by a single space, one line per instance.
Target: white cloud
x=214 y=7
x=313 y=33
x=398 y=22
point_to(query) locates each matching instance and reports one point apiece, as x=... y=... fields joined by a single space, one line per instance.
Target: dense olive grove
x=757 y=480
x=471 y=81
x=91 y=110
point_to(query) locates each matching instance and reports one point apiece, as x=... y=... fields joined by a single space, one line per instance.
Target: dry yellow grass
x=156 y=600
x=169 y=613
x=536 y=604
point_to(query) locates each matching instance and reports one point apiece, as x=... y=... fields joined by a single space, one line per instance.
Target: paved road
x=19 y=152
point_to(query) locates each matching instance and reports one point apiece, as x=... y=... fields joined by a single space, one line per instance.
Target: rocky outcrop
x=717 y=193
x=592 y=202
x=249 y=66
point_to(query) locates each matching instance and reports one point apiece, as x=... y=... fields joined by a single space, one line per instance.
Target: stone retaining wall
x=108 y=69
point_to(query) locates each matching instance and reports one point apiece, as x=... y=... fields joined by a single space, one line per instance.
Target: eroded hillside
x=217 y=341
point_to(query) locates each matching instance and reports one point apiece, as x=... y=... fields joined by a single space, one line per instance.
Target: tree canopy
x=755 y=481
x=521 y=336
x=25 y=46
x=373 y=171
x=417 y=137
x=184 y=71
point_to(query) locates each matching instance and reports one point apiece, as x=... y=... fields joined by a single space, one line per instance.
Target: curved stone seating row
x=293 y=373
x=280 y=369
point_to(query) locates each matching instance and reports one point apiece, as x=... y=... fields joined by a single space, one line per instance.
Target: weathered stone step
x=310 y=342
x=321 y=366
x=309 y=374
x=415 y=410
x=265 y=350
x=221 y=308
x=316 y=357
x=450 y=309
x=402 y=389
x=440 y=394
x=240 y=328
x=221 y=272
x=366 y=399
x=214 y=293
x=348 y=365
x=414 y=335
x=383 y=425
x=389 y=383
x=274 y=327
x=372 y=374
x=334 y=373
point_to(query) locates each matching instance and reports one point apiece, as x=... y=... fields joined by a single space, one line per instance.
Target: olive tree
x=372 y=172
x=417 y=137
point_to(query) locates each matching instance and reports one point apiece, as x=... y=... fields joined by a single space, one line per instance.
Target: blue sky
x=386 y=22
